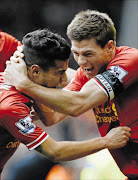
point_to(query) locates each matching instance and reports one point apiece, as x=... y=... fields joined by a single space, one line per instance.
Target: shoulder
x=80 y=76
x=8 y=41
x=125 y=55
x=13 y=102
x=125 y=63
x=77 y=81
x=7 y=36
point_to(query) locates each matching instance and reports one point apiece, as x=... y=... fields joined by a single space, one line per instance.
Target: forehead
x=84 y=45
x=61 y=65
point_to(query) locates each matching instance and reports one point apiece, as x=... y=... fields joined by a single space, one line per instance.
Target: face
x=90 y=56
x=51 y=78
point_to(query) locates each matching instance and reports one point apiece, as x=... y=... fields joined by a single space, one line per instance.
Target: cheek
x=75 y=57
x=55 y=80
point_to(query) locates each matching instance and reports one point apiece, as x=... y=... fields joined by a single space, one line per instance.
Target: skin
x=93 y=59
x=51 y=78
x=64 y=151
x=67 y=150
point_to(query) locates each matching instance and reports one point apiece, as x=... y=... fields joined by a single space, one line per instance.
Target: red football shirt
x=121 y=109
x=16 y=124
x=8 y=44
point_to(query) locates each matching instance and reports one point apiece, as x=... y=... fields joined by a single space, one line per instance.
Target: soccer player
x=8 y=45
x=106 y=81
x=46 y=57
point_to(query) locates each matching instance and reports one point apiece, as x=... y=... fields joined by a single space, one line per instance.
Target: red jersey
x=119 y=82
x=16 y=124
x=8 y=44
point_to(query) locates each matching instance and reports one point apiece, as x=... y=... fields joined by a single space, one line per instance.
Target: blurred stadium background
x=18 y=17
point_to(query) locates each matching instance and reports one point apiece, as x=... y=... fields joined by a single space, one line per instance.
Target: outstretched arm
x=66 y=102
x=67 y=150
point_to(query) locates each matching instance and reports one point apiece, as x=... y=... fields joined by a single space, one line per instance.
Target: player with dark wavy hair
x=106 y=81
x=46 y=55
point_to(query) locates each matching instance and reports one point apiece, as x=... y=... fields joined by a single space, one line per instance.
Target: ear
x=35 y=70
x=110 y=46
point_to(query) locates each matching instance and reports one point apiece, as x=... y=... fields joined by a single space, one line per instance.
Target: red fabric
x=8 y=44
x=16 y=124
x=122 y=109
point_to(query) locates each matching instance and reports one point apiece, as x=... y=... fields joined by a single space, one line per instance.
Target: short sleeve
x=125 y=66
x=17 y=121
x=121 y=73
x=77 y=81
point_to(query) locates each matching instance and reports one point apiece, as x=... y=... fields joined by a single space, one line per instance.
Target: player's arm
x=72 y=103
x=47 y=115
x=66 y=102
x=67 y=150
x=50 y=118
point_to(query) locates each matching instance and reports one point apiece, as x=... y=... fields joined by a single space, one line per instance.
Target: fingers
x=127 y=134
x=126 y=128
x=127 y=131
x=18 y=54
x=14 y=59
x=20 y=48
x=8 y=63
x=127 y=139
x=21 y=61
x=118 y=137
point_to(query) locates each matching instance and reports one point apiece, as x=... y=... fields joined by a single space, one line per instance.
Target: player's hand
x=16 y=56
x=118 y=137
x=16 y=73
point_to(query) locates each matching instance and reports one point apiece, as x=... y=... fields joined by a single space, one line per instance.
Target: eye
x=88 y=54
x=61 y=72
x=75 y=53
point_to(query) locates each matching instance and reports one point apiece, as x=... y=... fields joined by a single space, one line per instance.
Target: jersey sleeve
x=77 y=81
x=17 y=121
x=120 y=74
x=8 y=44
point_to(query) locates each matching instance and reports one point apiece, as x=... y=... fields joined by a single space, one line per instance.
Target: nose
x=81 y=60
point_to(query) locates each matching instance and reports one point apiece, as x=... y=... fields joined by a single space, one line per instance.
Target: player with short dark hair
x=46 y=67
x=106 y=81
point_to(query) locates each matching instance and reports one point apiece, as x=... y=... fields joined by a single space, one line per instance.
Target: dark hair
x=43 y=47
x=92 y=24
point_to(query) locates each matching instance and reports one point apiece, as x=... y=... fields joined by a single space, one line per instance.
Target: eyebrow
x=62 y=70
x=89 y=50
